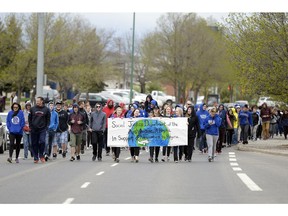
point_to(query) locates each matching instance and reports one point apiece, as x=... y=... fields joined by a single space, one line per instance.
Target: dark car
x=94 y=98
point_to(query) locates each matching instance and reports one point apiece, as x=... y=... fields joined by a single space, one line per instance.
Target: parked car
x=3 y=133
x=267 y=100
x=94 y=98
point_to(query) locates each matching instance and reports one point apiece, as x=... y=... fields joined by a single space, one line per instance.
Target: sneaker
x=43 y=160
x=209 y=159
x=189 y=161
x=156 y=160
x=163 y=159
x=99 y=159
x=107 y=154
x=60 y=151
x=64 y=154
x=9 y=160
x=72 y=159
x=151 y=160
x=82 y=151
x=94 y=158
x=136 y=159
x=46 y=157
x=54 y=156
x=117 y=160
x=176 y=161
x=78 y=157
x=17 y=160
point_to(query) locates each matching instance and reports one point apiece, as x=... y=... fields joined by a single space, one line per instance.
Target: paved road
x=234 y=177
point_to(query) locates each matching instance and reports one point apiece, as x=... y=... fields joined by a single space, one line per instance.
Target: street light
x=132 y=60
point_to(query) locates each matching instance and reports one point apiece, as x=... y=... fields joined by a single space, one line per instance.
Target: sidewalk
x=277 y=146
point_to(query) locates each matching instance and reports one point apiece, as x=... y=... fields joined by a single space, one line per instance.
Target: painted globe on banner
x=148 y=132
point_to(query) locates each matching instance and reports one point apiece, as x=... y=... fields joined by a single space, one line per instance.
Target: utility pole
x=40 y=56
x=132 y=60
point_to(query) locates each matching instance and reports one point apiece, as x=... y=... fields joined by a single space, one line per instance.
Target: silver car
x=3 y=133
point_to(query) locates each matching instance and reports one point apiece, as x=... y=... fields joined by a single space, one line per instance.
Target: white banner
x=141 y=132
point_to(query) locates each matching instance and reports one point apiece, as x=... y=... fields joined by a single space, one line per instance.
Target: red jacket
x=108 y=111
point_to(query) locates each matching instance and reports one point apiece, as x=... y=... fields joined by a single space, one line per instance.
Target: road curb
x=270 y=151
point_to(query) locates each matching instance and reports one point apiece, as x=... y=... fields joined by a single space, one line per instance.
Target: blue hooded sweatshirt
x=202 y=115
x=15 y=123
x=54 y=121
x=245 y=118
x=213 y=128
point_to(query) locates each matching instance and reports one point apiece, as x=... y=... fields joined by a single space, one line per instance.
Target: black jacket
x=63 y=121
x=39 y=118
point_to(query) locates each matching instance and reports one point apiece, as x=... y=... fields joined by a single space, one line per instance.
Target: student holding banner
x=211 y=125
x=178 y=113
x=166 y=149
x=116 y=150
x=134 y=151
x=155 y=113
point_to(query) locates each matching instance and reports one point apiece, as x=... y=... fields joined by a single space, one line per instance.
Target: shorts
x=76 y=139
x=60 y=138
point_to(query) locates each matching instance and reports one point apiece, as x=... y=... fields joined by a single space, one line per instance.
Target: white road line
x=232 y=156
x=231 y=153
x=236 y=168
x=232 y=159
x=85 y=185
x=115 y=164
x=100 y=173
x=234 y=164
x=248 y=182
x=128 y=158
x=68 y=201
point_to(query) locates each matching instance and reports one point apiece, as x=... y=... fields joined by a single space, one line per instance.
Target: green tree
x=258 y=45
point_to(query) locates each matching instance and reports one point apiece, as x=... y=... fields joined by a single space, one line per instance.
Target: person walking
x=222 y=129
x=85 y=124
x=15 y=122
x=54 y=121
x=26 y=132
x=245 y=121
x=284 y=122
x=76 y=121
x=135 y=151
x=211 y=125
x=230 y=126
x=156 y=149
x=265 y=114
x=178 y=149
x=89 y=133
x=166 y=150
x=61 y=136
x=109 y=110
x=116 y=150
x=97 y=128
x=202 y=114
x=39 y=121
x=193 y=131
x=255 y=122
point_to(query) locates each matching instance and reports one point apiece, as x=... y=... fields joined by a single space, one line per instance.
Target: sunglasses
x=98 y=106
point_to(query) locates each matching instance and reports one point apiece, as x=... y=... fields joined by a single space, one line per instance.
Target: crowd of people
x=51 y=129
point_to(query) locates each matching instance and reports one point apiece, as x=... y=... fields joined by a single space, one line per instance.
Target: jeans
x=27 y=144
x=235 y=136
x=203 y=141
x=49 y=140
x=97 y=142
x=38 y=143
